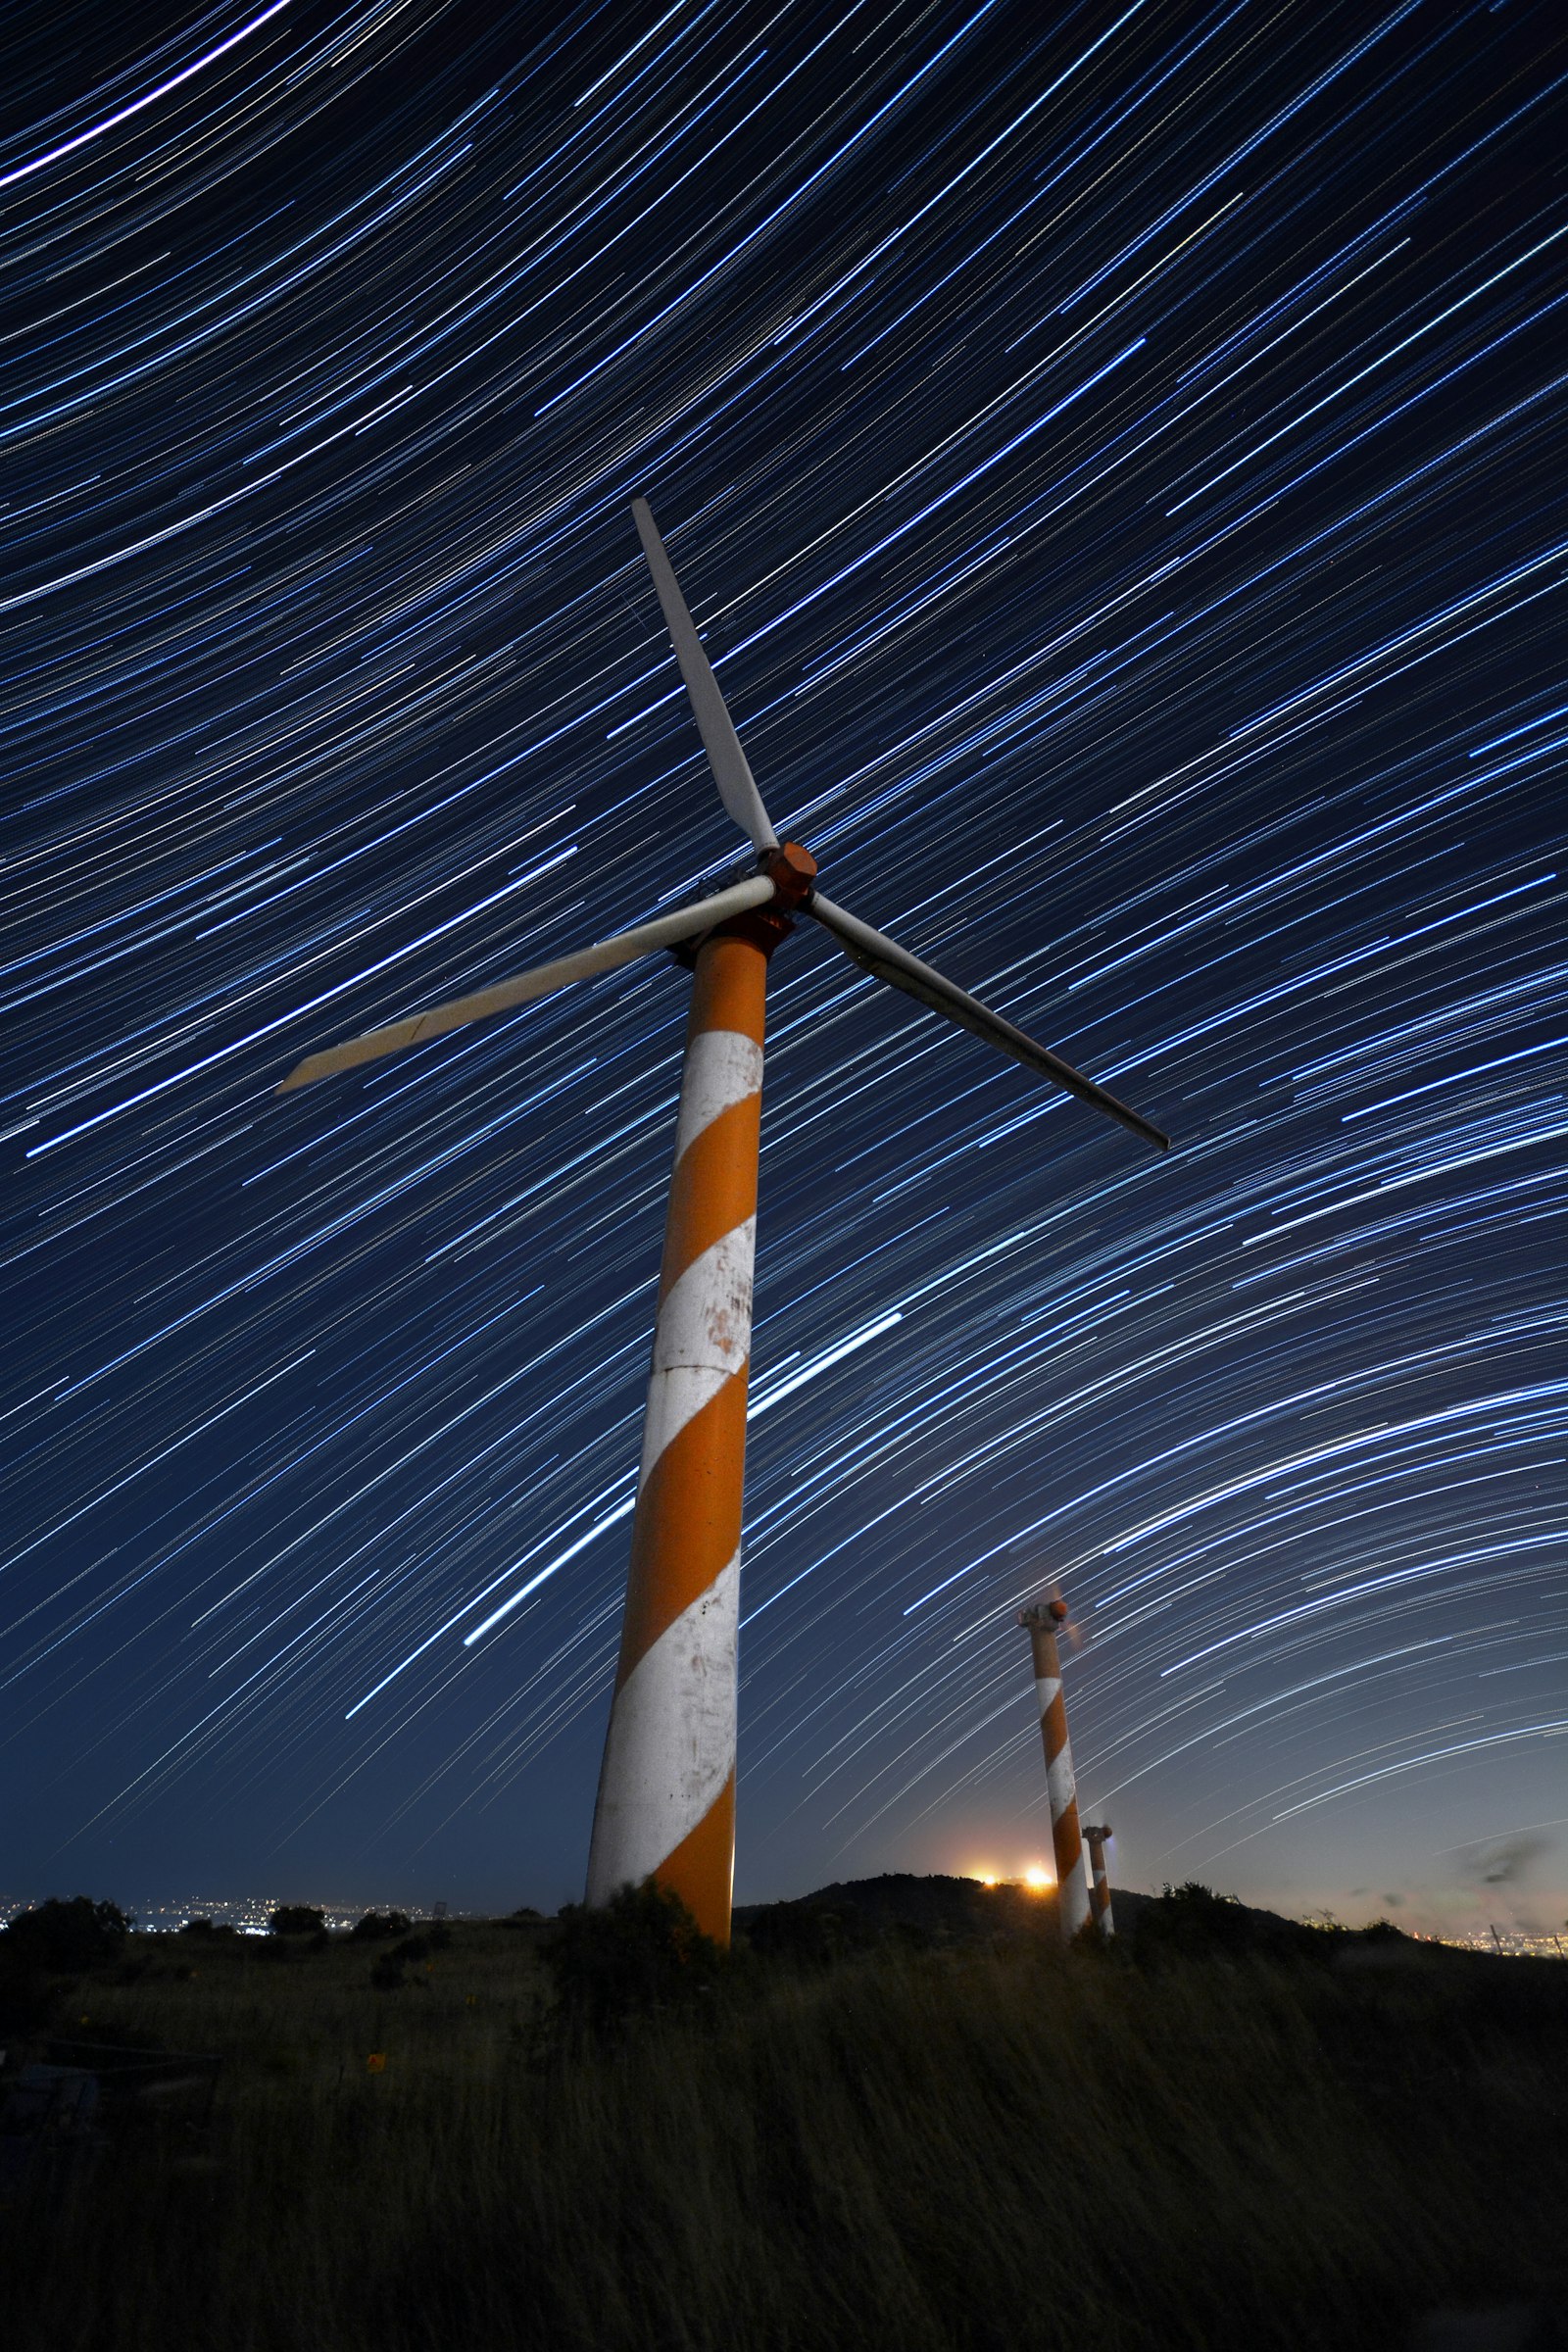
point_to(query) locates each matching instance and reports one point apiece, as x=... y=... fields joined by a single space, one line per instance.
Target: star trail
x=1113 y=455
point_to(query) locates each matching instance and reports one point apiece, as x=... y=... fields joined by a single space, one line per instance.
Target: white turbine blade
x=663 y=932
x=737 y=786
x=874 y=953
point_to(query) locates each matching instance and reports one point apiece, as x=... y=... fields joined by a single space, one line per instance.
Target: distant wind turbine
x=1096 y=1839
x=667 y=1788
x=1043 y=1622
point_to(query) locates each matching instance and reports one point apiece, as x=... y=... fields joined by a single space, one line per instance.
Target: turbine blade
x=645 y=940
x=737 y=786
x=874 y=953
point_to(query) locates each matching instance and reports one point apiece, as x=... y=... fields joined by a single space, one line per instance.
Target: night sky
x=1114 y=455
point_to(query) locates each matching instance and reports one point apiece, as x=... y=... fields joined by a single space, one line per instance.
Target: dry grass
x=987 y=2149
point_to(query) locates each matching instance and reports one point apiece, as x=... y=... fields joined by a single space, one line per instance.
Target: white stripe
x=672 y=1743
x=1074 y=1899
x=706 y=1316
x=1046 y=1688
x=703 y=1337
x=1063 y=1788
x=722 y=1068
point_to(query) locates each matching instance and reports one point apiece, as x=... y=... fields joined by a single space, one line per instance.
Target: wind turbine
x=1096 y=1838
x=1043 y=1622
x=667 y=1788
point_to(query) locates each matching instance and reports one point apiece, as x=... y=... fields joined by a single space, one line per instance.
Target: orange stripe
x=1066 y=1844
x=1042 y=1647
x=702 y=1868
x=713 y=1188
x=688 y=1523
x=731 y=983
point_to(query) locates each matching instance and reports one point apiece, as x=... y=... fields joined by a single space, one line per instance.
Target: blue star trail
x=1113 y=456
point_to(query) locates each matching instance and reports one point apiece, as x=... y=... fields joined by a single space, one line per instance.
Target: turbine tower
x=1100 y=1879
x=1072 y=1888
x=667 y=1788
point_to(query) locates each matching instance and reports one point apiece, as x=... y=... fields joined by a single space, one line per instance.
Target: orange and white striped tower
x=1100 y=1878
x=1072 y=1886
x=666 y=1786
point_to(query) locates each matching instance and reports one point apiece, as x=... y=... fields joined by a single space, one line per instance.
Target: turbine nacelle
x=791 y=870
x=1052 y=1616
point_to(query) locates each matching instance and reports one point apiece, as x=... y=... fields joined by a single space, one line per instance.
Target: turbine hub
x=792 y=870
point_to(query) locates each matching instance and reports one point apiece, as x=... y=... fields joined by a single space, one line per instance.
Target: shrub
x=642 y=1951
x=62 y=1937
x=1193 y=1920
x=207 y=1930
x=297 y=1919
x=379 y=1926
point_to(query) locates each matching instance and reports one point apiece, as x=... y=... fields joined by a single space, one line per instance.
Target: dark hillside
x=980 y=2144
x=947 y=1910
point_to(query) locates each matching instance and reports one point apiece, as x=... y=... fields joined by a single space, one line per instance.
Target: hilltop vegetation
x=867 y=2132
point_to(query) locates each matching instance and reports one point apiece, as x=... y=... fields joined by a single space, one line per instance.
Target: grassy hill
x=949 y=1910
x=841 y=2141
